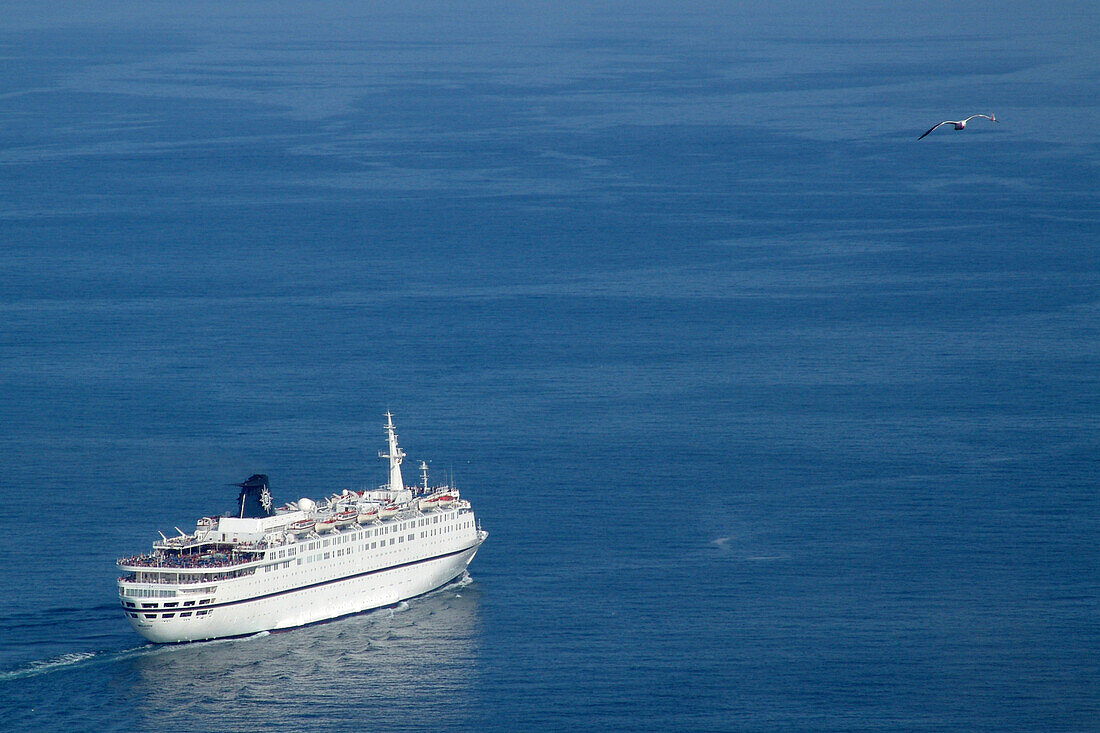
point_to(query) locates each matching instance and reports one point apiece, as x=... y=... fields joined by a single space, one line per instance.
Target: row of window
x=148 y=593
x=443 y=530
x=184 y=614
x=325 y=556
x=279 y=566
x=351 y=537
x=173 y=604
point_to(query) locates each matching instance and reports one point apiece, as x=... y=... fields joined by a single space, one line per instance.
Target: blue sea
x=778 y=418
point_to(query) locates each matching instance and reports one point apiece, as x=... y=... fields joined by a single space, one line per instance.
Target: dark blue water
x=778 y=419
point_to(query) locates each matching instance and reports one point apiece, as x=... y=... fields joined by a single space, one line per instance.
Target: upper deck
x=203 y=558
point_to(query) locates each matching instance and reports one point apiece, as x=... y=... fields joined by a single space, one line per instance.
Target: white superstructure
x=307 y=561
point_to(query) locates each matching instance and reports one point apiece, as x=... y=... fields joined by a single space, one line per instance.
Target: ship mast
x=395 y=455
x=424 y=475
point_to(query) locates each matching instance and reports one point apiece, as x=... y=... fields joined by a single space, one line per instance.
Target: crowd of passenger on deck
x=158 y=560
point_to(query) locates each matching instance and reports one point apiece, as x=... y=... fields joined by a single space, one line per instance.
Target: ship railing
x=182 y=562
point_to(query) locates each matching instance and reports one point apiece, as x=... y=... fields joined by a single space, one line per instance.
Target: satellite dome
x=306 y=505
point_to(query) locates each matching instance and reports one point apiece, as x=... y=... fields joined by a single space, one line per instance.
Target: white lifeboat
x=345 y=517
x=439 y=501
x=302 y=526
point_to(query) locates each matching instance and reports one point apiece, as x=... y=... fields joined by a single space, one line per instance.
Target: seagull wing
x=945 y=122
x=973 y=116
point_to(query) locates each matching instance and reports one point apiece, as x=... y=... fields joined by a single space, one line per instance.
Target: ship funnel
x=255 y=498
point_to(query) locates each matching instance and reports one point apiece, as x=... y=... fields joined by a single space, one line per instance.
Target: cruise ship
x=267 y=568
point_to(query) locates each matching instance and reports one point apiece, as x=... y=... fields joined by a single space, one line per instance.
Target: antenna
x=395 y=455
x=424 y=475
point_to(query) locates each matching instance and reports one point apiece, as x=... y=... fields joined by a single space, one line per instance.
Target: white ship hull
x=285 y=608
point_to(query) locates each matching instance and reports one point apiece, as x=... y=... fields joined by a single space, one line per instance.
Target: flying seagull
x=960 y=124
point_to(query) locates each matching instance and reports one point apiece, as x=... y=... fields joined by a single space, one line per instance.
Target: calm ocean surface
x=778 y=419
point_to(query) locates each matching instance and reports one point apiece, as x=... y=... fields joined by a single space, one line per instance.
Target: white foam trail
x=45 y=666
x=402 y=606
x=48 y=665
x=74 y=659
x=65 y=661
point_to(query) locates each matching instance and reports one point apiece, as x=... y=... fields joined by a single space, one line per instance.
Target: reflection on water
x=390 y=667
